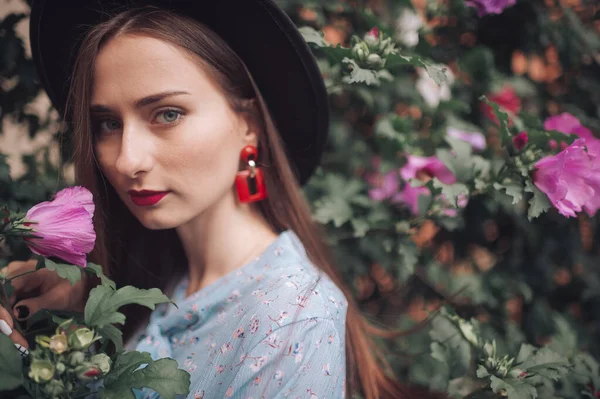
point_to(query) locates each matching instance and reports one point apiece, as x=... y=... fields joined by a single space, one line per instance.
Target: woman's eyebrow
x=97 y=108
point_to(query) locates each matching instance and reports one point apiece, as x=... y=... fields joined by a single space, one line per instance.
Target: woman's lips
x=146 y=197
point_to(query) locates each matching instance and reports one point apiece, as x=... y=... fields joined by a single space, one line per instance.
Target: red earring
x=250 y=183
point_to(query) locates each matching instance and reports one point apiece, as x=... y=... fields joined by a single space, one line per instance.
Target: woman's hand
x=43 y=289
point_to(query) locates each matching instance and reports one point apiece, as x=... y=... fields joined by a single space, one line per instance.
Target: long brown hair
x=132 y=254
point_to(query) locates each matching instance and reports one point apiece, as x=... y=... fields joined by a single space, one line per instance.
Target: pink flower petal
x=65 y=226
x=476 y=139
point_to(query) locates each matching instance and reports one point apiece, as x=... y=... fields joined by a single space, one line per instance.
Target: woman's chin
x=155 y=221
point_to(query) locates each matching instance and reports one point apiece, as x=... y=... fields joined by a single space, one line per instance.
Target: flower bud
x=360 y=51
x=374 y=60
x=517 y=373
x=60 y=368
x=58 y=343
x=520 y=141
x=43 y=341
x=372 y=37
x=102 y=361
x=76 y=358
x=81 y=338
x=88 y=372
x=490 y=349
x=468 y=332
x=502 y=371
x=41 y=370
x=54 y=388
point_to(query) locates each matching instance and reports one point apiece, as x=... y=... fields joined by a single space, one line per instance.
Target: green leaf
x=514 y=388
x=546 y=363
x=409 y=258
x=113 y=334
x=96 y=270
x=452 y=192
x=513 y=189
x=336 y=210
x=449 y=346
x=538 y=204
x=482 y=372
x=11 y=366
x=126 y=363
x=70 y=272
x=459 y=160
x=103 y=303
x=360 y=75
x=437 y=73
x=162 y=376
x=312 y=36
x=360 y=226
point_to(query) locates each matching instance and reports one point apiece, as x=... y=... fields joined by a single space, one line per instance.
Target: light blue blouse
x=274 y=328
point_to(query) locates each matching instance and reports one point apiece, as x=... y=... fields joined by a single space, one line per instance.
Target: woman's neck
x=222 y=239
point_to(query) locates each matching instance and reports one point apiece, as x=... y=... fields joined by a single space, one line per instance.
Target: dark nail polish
x=22 y=312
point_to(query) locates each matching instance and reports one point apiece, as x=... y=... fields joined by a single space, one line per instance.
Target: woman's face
x=160 y=124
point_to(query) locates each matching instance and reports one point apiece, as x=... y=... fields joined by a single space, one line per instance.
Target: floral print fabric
x=274 y=328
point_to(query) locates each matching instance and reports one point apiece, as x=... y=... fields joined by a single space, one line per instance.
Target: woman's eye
x=108 y=125
x=169 y=116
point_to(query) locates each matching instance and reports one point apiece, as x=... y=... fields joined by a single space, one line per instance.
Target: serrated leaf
x=11 y=366
x=539 y=202
x=103 y=303
x=513 y=189
x=360 y=75
x=162 y=376
x=409 y=254
x=112 y=334
x=452 y=192
x=450 y=346
x=545 y=362
x=459 y=161
x=360 y=226
x=515 y=388
x=70 y=272
x=482 y=372
x=96 y=270
x=437 y=73
x=312 y=36
x=336 y=210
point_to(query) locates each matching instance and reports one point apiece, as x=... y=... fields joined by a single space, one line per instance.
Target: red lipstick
x=146 y=197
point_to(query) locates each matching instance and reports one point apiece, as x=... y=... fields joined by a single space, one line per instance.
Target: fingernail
x=5 y=328
x=22 y=350
x=22 y=312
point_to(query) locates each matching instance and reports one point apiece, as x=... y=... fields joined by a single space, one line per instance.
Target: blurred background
x=515 y=281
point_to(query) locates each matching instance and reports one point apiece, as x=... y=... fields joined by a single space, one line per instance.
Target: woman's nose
x=135 y=155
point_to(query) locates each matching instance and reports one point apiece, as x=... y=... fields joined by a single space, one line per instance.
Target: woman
x=194 y=124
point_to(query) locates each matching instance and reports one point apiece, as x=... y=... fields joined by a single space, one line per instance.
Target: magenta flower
x=384 y=186
x=485 y=7
x=476 y=139
x=64 y=226
x=569 y=124
x=426 y=167
x=421 y=168
x=570 y=179
x=520 y=141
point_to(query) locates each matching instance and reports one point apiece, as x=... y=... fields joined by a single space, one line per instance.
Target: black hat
x=260 y=33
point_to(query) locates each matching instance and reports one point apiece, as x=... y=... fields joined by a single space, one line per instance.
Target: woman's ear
x=252 y=118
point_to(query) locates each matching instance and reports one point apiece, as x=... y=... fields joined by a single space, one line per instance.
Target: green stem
x=20 y=275
x=6 y=303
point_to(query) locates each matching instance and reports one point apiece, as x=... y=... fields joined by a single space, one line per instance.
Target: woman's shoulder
x=291 y=289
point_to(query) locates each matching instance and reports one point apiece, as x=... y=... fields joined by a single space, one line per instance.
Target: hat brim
x=262 y=35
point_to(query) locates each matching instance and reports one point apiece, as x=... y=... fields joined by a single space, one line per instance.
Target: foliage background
x=520 y=282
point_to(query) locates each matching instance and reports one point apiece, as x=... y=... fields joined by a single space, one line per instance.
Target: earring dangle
x=250 y=183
